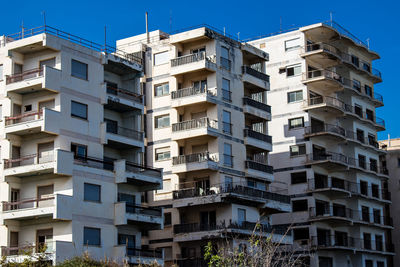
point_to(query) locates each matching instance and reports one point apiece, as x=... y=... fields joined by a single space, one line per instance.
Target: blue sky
x=376 y=20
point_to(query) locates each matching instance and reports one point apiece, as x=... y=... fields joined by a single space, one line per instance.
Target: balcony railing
x=327 y=156
x=192 y=91
x=326 y=128
x=123 y=93
x=148 y=253
x=130 y=133
x=26 y=203
x=322 y=73
x=29 y=160
x=257 y=104
x=254 y=165
x=137 y=209
x=327 y=100
x=239 y=189
x=331 y=241
x=331 y=211
x=258 y=136
x=29 y=116
x=195 y=158
x=188 y=59
x=369 y=166
x=95 y=163
x=195 y=124
x=323 y=46
x=140 y=168
x=25 y=75
x=255 y=73
x=360 y=138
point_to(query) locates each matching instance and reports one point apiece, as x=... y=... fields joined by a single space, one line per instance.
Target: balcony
x=121 y=137
x=333 y=187
x=367 y=142
x=193 y=62
x=325 y=80
x=256 y=108
x=363 y=67
x=327 y=159
x=259 y=169
x=192 y=196
x=194 y=128
x=55 y=206
x=138 y=256
x=255 y=77
x=257 y=139
x=322 y=53
x=144 y=217
x=332 y=214
x=193 y=96
x=195 y=162
x=364 y=91
x=44 y=121
x=30 y=81
x=122 y=100
x=57 y=162
x=365 y=117
x=324 y=104
x=370 y=167
x=333 y=131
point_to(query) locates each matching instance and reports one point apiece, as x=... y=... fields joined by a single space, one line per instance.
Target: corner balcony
x=367 y=142
x=195 y=162
x=255 y=77
x=256 y=108
x=193 y=96
x=137 y=256
x=55 y=206
x=147 y=178
x=122 y=100
x=331 y=214
x=324 y=104
x=35 y=80
x=222 y=193
x=193 y=62
x=321 y=53
x=332 y=131
x=121 y=137
x=204 y=127
x=368 y=167
x=333 y=187
x=44 y=121
x=329 y=160
x=58 y=162
x=363 y=67
x=365 y=117
x=257 y=139
x=259 y=169
x=325 y=80
x=145 y=217
x=371 y=219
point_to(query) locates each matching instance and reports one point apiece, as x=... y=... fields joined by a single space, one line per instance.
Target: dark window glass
x=79 y=110
x=91 y=236
x=299 y=177
x=167 y=218
x=79 y=69
x=92 y=192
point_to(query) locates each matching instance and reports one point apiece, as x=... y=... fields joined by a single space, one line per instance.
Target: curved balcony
x=322 y=53
x=325 y=80
x=363 y=67
x=204 y=127
x=331 y=186
x=362 y=165
x=326 y=129
x=363 y=90
x=365 y=117
x=332 y=214
x=367 y=142
x=327 y=159
x=324 y=104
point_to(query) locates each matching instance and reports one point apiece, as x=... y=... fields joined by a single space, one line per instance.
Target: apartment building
x=325 y=145
x=206 y=126
x=72 y=145
x=392 y=163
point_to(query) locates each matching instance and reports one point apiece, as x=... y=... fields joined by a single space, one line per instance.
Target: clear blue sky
x=376 y=20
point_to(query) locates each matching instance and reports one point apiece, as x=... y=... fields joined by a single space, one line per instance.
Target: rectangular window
x=228 y=155
x=358 y=110
x=377 y=216
x=91 y=236
x=298 y=177
x=161 y=58
x=355 y=60
x=225 y=62
x=228 y=181
x=299 y=205
x=163 y=153
x=366 y=66
x=364 y=188
x=1 y=72
x=226 y=121
x=379 y=242
x=79 y=110
x=296 y=123
x=361 y=161
x=369 y=114
x=92 y=192
x=380 y=264
x=161 y=89
x=226 y=89
x=297 y=150
x=293 y=71
x=368 y=90
x=357 y=85
x=294 y=96
x=79 y=69
x=161 y=121
x=369 y=263
x=292 y=44
x=167 y=218
x=80 y=151
x=241 y=216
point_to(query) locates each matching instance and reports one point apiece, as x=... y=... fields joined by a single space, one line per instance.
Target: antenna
x=331 y=17
x=368 y=42
x=170 y=20
x=105 y=39
x=147 y=28
x=224 y=31
x=238 y=34
x=44 y=18
x=22 y=27
x=280 y=24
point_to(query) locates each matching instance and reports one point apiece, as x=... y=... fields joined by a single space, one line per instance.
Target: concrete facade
x=72 y=145
x=206 y=119
x=325 y=146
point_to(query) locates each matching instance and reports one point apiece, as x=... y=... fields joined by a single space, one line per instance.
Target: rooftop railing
x=253 y=72
x=195 y=124
x=256 y=104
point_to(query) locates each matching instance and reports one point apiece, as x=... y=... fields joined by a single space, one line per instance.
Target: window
x=79 y=69
x=27 y=108
x=225 y=62
x=380 y=264
x=325 y=261
x=226 y=89
x=92 y=192
x=226 y=121
x=79 y=110
x=294 y=96
x=369 y=263
x=377 y=216
x=161 y=58
x=228 y=155
x=379 y=242
x=373 y=165
x=167 y=218
x=241 y=216
x=369 y=114
x=298 y=177
x=163 y=153
x=364 y=188
x=1 y=72
x=366 y=66
x=91 y=236
x=355 y=60
x=161 y=89
x=228 y=181
x=357 y=85
x=199 y=50
x=262 y=45
x=162 y=121
x=361 y=161
x=299 y=205
x=368 y=90
x=80 y=151
x=293 y=71
x=365 y=213
x=358 y=110
x=297 y=150
x=398 y=162
x=292 y=44
x=296 y=123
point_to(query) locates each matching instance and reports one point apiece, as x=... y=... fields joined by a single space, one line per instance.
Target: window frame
x=163 y=85
x=300 y=147
x=156 y=158
x=76 y=150
x=227 y=90
x=294 y=73
x=287 y=49
x=295 y=127
x=298 y=181
x=86 y=78
x=296 y=93
x=156 y=124
x=167 y=221
x=156 y=54
x=93 y=186
x=85 y=243
x=78 y=116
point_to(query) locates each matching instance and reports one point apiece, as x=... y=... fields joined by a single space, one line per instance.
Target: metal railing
x=256 y=104
x=130 y=133
x=327 y=100
x=95 y=163
x=369 y=166
x=332 y=241
x=255 y=73
x=148 y=253
x=254 y=165
x=331 y=211
x=323 y=46
x=127 y=94
x=187 y=59
x=140 y=168
x=195 y=124
x=326 y=128
x=137 y=209
x=29 y=160
x=25 y=117
x=327 y=156
x=26 y=203
x=195 y=158
x=322 y=73
x=258 y=135
x=192 y=91
x=25 y=75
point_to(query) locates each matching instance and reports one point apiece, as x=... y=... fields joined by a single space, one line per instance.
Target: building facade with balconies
x=206 y=119
x=325 y=146
x=72 y=144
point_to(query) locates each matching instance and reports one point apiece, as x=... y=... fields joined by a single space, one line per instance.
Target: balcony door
x=129 y=241
x=317 y=125
x=15 y=197
x=44 y=240
x=45 y=152
x=199 y=115
x=202 y=187
x=43 y=193
x=14 y=242
x=208 y=220
x=16 y=154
